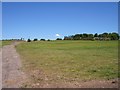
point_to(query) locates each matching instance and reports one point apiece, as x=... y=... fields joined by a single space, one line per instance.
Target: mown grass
x=61 y=61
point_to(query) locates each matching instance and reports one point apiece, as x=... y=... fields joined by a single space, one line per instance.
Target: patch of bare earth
x=12 y=75
x=40 y=80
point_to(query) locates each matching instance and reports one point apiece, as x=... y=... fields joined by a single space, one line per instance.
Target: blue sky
x=45 y=20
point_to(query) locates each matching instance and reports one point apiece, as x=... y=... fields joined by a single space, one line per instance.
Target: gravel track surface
x=12 y=76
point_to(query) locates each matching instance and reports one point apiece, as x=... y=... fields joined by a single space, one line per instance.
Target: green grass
x=3 y=43
x=0 y=43
x=61 y=61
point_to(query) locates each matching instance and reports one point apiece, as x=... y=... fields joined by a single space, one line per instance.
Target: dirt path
x=0 y=69
x=12 y=76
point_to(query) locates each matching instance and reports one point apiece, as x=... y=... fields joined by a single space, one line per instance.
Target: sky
x=51 y=20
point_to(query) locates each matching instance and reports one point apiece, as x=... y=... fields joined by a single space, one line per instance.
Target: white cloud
x=57 y=35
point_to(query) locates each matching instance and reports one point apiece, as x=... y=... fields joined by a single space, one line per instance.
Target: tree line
x=85 y=36
x=96 y=36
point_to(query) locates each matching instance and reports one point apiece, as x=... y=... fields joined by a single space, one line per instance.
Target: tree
x=76 y=37
x=109 y=35
x=42 y=39
x=114 y=36
x=95 y=35
x=35 y=39
x=48 y=40
x=90 y=36
x=28 y=40
x=99 y=35
x=59 y=39
x=105 y=35
x=66 y=38
x=85 y=36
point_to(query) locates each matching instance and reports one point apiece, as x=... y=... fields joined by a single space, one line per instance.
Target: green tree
x=59 y=39
x=95 y=35
x=90 y=36
x=35 y=39
x=85 y=36
x=105 y=35
x=28 y=40
x=114 y=36
x=48 y=40
x=42 y=39
x=77 y=37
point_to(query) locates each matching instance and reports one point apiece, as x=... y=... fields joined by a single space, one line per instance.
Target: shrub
x=59 y=39
x=28 y=40
x=42 y=39
x=48 y=40
x=35 y=39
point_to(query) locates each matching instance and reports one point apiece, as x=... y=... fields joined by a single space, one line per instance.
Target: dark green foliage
x=105 y=35
x=42 y=39
x=59 y=39
x=85 y=36
x=68 y=38
x=77 y=37
x=96 y=35
x=48 y=40
x=28 y=40
x=90 y=37
x=114 y=36
x=35 y=39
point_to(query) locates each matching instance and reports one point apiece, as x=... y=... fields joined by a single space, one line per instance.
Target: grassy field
x=67 y=61
x=0 y=43
x=3 y=43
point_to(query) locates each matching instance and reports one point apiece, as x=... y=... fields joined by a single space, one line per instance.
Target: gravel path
x=12 y=76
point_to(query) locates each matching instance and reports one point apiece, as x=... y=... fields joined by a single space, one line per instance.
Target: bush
x=35 y=39
x=48 y=40
x=28 y=40
x=59 y=39
x=42 y=39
